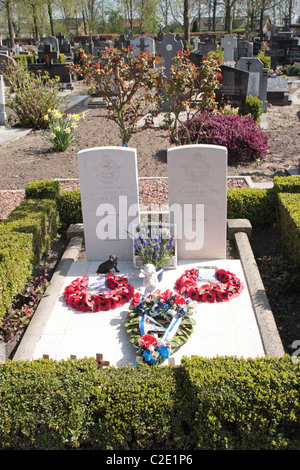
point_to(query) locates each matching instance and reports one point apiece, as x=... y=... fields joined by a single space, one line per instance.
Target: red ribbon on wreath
x=227 y=287
x=77 y=297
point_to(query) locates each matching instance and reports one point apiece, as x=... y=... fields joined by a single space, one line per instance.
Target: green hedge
x=289 y=222
x=16 y=261
x=287 y=184
x=38 y=217
x=45 y=189
x=69 y=207
x=254 y=204
x=208 y=404
x=25 y=59
x=24 y=236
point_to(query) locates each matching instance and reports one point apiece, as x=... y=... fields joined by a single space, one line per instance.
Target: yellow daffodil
x=52 y=135
x=46 y=117
x=58 y=128
x=74 y=124
x=83 y=115
x=55 y=112
x=68 y=130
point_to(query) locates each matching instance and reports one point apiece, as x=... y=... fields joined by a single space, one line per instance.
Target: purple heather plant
x=244 y=139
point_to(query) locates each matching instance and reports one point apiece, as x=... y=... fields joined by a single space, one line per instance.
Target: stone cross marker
x=3 y=115
x=48 y=50
x=109 y=197
x=168 y=47
x=258 y=76
x=141 y=43
x=197 y=179
x=229 y=43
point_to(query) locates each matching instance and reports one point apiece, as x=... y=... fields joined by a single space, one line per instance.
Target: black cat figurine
x=111 y=263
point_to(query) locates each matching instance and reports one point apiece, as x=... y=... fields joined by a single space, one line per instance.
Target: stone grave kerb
x=109 y=198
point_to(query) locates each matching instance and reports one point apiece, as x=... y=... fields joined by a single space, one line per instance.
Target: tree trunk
x=186 y=21
x=51 y=19
x=10 y=25
x=214 y=15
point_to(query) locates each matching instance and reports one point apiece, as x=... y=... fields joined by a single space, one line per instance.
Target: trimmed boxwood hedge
x=45 y=189
x=69 y=208
x=208 y=404
x=256 y=205
x=24 y=236
x=16 y=261
x=289 y=222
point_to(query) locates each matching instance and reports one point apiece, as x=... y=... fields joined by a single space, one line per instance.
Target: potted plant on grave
x=154 y=244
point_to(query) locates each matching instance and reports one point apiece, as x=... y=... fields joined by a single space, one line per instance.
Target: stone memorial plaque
x=109 y=197
x=197 y=176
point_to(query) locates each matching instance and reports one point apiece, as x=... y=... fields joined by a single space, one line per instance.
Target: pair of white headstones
x=197 y=192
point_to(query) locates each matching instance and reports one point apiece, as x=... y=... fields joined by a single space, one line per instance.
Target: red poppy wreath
x=226 y=287
x=78 y=296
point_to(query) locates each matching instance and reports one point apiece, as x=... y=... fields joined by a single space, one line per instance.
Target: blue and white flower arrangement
x=153 y=246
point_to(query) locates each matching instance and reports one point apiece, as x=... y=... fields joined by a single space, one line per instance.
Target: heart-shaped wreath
x=78 y=295
x=226 y=287
x=159 y=323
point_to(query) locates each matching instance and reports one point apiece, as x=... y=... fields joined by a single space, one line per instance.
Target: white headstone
x=197 y=180
x=3 y=115
x=109 y=197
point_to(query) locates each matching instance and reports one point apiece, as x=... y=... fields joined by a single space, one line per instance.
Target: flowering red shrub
x=245 y=140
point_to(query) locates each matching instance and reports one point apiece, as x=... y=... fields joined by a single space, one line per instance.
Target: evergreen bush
x=253 y=106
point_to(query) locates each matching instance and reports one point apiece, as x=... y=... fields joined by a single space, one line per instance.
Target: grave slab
x=229 y=328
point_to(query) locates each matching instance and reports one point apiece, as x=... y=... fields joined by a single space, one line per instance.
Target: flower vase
x=159 y=273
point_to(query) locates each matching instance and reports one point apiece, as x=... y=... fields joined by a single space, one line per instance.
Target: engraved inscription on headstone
x=197 y=179
x=109 y=197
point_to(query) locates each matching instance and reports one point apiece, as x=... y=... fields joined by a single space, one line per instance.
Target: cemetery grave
x=60 y=329
x=112 y=172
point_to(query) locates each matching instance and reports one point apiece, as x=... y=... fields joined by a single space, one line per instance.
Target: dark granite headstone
x=278 y=91
x=233 y=86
